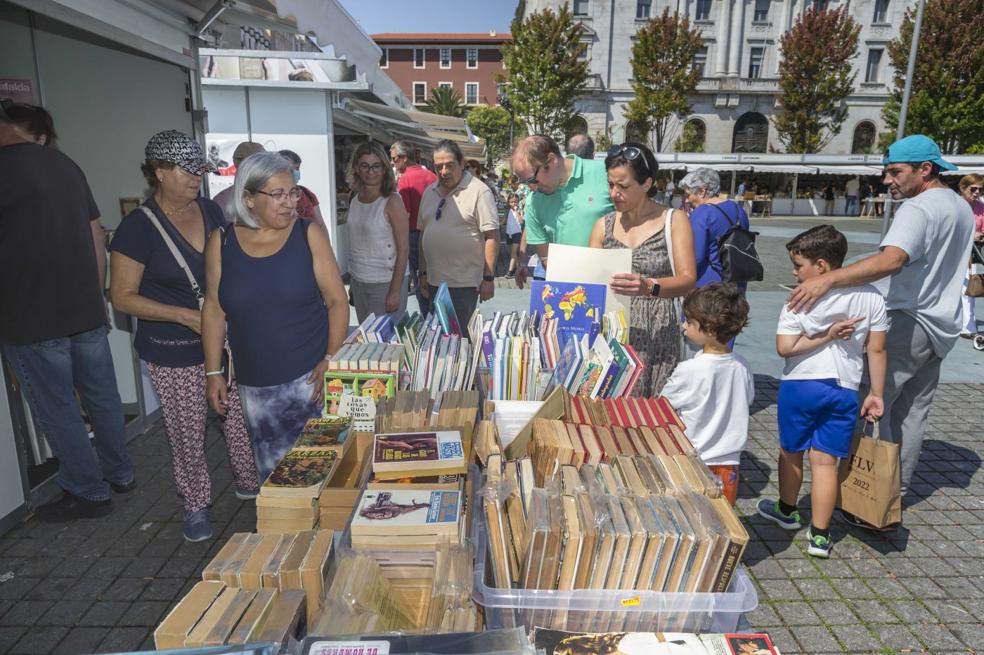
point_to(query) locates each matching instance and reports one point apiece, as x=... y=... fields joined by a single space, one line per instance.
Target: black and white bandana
x=180 y=149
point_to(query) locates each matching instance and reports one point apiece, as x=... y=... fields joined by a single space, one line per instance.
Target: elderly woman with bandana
x=154 y=251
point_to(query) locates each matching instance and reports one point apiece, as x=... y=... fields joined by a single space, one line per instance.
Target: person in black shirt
x=53 y=321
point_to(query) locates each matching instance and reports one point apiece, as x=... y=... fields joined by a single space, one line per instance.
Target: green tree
x=815 y=77
x=545 y=76
x=492 y=125
x=947 y=101
x=691 y=138
x=663 y=73
x=445 y=100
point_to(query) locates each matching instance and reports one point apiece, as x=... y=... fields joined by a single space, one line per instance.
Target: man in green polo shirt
x=568 y=196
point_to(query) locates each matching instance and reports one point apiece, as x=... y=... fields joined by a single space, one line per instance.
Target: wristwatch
x=654 y=290
x=488 y=278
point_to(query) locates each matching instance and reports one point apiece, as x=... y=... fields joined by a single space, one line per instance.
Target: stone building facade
x=736 y=96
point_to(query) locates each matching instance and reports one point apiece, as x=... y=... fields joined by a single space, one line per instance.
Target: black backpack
x=736 y=250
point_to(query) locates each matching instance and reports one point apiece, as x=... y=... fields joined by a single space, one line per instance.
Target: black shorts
x=514 y=239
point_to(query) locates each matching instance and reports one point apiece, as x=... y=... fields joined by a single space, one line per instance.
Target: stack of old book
x=288 y=499
x=256 y=588
x=278 y=561
x=414 y=498
x=631 y=525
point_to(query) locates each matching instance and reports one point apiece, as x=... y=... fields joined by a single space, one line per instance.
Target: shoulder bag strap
x=169 y=242
x=668 y=221
x=718 y=207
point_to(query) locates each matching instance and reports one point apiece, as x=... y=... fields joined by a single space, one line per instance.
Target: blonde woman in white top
x=378 y=235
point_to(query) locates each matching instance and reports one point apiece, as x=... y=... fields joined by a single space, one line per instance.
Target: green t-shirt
x=568 y=215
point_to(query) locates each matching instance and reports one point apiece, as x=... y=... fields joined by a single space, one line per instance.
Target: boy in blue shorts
x=818 y=396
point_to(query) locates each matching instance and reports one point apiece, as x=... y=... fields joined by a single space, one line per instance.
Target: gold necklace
x=173 y=212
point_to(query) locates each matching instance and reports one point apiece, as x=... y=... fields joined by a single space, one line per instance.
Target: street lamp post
x=904 y=108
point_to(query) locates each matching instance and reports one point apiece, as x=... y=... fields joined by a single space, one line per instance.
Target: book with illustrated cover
x=575 y=306
x=444 y=309
x=367 y=385
x=327 y=433
x=407 y=513
x=560 y=642
x=409 y=454
x=448 y=482
x=302 y=472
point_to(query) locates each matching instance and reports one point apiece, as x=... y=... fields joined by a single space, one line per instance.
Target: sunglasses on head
x=631 y=153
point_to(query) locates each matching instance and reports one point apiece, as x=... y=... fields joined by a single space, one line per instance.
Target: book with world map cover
x=576 y=306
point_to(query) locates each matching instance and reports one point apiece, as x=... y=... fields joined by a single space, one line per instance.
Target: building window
x=820 y=5
x=582 y=54
x=703 y=10
x=445 y=85
x=419 y=93
x=864 y=138
x=643 y=8
x=384 y=59
x=579 y=7
x=751 y=133
x=445 y=58
x=471 y=93
x=881 y=11
x=761 y=14
x=472 y=58
x=418 y=58
x=700 y=61
x=872 y=72
x=755 y=58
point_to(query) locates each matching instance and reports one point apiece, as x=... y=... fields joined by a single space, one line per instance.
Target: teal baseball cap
x=916 y=148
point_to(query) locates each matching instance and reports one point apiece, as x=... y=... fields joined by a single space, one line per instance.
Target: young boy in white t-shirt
x=712 y=391
x=818 y=396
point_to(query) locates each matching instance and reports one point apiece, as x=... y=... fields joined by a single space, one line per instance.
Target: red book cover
x=647 y=414
x=623 y=412
x=657 y=413
x=634 y=414
x=670 y=413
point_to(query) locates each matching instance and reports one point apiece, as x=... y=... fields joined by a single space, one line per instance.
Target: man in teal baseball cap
x=924 y=256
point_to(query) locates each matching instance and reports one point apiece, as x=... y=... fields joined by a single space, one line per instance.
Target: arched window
x=692 y=137
x=751 y=133
x=865 y=135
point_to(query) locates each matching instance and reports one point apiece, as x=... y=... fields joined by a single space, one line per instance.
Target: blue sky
x=432 y=15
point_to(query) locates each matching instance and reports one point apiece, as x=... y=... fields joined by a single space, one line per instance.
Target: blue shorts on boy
x=817 y=414
x=818 y=396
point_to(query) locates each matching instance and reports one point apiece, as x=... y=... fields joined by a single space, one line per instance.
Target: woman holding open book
x=272 y=278
x=378 y=235
x=663 y=266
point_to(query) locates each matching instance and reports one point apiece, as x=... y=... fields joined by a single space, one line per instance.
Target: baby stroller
x=975 y=284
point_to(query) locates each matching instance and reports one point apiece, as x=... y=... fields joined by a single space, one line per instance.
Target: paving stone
x=163 y=589
x=146 y=613
x=923 y=588
x=125 y=589
x=104 y=613
x=935 y=568
x=872 y=611
x=50 y=589
x=87 y=588
x=799 y=568
x=834 y=612
x=951 y=612
x=912 y=611
x=939 y=638
x=17 y=587
x=181 y=567
x=817 y=639
x=25 y=612
x=81 y=640
x=970 y=634
x=783 y=639
x=34 y=642
x=123 y=639
x=782 y=590
x=796 y=613
x=65 y=612
x=10 y=635
x=768 y=569
x=144 y=567
x=855 y=638
x=764 y=616
x=815 y=588
x=888 y=588
x=897 y=637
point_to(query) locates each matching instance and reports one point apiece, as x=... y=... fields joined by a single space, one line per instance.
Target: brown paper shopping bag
x=870 y=482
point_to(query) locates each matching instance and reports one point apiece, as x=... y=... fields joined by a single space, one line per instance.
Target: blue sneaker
x=770 y=509
x=819 y=546
x=197 y=526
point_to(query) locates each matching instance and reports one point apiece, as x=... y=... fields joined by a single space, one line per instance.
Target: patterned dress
x=654 y=327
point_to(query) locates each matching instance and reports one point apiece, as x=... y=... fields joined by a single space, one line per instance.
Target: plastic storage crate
x=607 y=610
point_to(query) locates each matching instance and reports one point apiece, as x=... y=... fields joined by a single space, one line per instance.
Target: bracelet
x=221 y=371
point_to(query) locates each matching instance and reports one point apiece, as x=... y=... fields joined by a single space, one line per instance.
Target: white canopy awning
x=783 y=168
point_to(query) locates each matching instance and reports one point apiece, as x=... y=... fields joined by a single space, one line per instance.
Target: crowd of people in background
x=240 y=300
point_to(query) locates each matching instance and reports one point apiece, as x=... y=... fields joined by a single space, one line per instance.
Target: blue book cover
x=444 y=309
x=576 y=305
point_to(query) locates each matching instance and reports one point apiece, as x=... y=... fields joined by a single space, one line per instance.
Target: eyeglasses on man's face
x=280 y=195
x=533 y=179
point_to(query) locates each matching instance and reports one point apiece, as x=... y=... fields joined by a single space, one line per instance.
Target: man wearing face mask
x=307 y=205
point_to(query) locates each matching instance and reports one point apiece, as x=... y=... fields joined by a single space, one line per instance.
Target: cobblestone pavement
x=103 y=585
